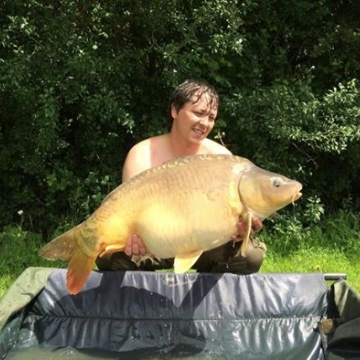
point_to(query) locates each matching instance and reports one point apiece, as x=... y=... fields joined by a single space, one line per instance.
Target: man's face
x=195 y=119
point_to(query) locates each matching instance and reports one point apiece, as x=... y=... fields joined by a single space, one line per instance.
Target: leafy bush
x=82 y=81
x=315 y=139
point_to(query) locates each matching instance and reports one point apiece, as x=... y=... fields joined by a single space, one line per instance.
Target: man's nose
x=204 y=120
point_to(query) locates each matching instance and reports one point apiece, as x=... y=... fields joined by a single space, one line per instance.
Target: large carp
x=180 y=209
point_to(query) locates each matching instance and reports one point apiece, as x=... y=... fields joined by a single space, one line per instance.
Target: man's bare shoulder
x=212 y=147
x=143 y=155
x=137 y=160
x=144 y=146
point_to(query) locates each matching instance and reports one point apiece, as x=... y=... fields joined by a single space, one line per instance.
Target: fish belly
x=170 y=227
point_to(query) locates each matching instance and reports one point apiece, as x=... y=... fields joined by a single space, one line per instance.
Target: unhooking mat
x=138 y=315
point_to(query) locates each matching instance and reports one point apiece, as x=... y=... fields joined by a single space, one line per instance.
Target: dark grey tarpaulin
x=137 y=314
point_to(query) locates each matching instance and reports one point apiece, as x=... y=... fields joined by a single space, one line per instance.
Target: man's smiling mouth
x=199 y=131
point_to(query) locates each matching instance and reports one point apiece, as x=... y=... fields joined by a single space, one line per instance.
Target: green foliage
x=82 y=81
x=315 y=139
x=339 y=233
x=295 y=227
x=19 y=251
x=331 y=246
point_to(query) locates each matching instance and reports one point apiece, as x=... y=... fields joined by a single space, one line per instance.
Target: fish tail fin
x=68 y=247
x=80 y=266
x=60 y=248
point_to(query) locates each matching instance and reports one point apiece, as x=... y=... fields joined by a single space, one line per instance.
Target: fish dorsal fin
x=184 y=262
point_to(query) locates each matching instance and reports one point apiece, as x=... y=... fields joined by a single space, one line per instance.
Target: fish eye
x=277 y=182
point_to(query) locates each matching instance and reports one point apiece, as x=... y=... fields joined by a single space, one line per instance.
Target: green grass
x=315 y=259
x=18 y=251
x=332 y=247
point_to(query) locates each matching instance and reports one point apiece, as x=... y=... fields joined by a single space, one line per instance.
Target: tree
x=81 y=82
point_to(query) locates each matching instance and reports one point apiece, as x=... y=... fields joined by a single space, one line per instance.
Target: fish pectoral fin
x=184 y=262
x=247 y=236
x=110 y=249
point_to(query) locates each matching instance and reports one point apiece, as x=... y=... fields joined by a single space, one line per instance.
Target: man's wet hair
x=190 y=87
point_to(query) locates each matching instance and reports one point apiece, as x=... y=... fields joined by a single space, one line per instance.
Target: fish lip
x=296 y=196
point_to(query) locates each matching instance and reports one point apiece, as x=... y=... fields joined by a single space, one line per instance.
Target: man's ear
x=173 y=111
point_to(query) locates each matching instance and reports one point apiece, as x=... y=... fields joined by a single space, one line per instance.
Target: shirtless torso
x=159 y=149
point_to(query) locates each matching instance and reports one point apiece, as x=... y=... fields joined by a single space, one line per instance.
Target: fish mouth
x=296 y=196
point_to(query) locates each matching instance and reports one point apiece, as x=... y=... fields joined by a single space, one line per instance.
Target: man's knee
x=118 y=261
x=255 y=254
x=233 y=262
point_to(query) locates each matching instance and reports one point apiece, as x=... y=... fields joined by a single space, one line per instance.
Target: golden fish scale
x=196 y=207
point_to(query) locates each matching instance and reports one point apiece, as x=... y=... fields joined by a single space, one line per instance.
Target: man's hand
x=135 y=246
x=256 y=225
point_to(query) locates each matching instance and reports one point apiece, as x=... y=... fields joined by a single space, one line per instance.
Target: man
x=193 y=110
